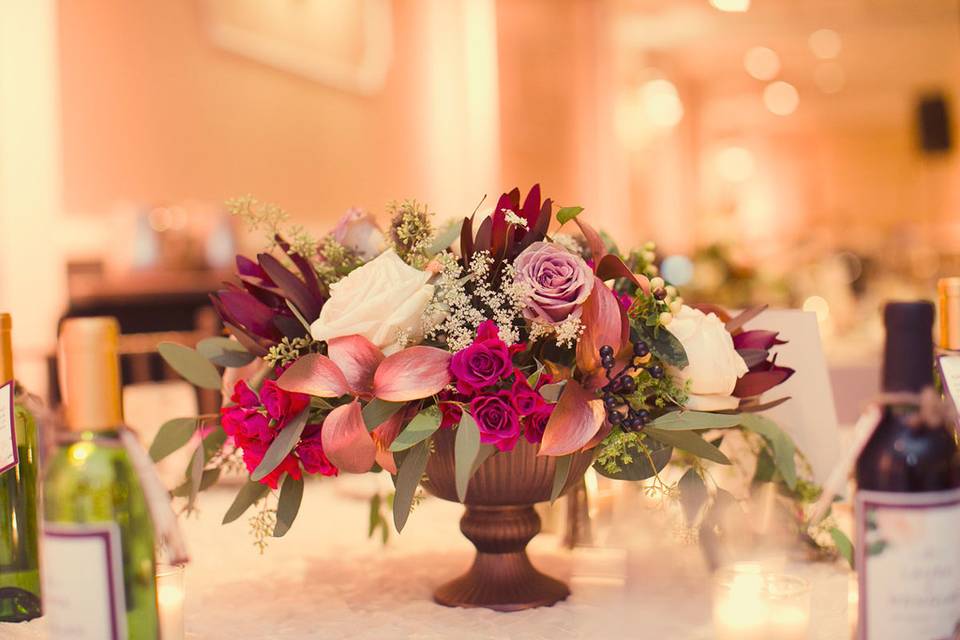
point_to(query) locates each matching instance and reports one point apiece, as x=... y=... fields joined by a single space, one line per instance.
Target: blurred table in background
x=326 y=579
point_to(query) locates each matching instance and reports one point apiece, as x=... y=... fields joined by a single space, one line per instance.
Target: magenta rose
x=484 y=363
x=560 y=282
x=311 y=454
x=243 y=419
x=535 y=423
x=253 y=452
x=497 y=420
x=525 y=399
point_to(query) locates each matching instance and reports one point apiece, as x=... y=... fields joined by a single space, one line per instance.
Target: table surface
x=326 y=579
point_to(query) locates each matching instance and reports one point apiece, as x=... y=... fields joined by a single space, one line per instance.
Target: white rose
x=359 y=231
x=379 y=300
x=714 y=365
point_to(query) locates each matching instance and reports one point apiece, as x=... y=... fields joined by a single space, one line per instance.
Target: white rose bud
x=359 y=231
x=714 y=365
x=657 y=283
x=383 y=300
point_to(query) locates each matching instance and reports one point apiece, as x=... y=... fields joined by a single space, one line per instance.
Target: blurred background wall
x=797 y=152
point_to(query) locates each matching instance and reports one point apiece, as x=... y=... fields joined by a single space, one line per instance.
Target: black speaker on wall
x=933 y=122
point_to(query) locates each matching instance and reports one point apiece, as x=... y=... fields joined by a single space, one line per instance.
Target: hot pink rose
x=484 y=363
x=253 y=452
x=310 y=451
x=536 y=422
x=282 y=406
x=497 y=419
x=560 y=282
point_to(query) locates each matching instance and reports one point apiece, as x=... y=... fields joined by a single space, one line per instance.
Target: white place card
x=810 y=417
x=83 y=581
x=8 y=430
x=950 y=376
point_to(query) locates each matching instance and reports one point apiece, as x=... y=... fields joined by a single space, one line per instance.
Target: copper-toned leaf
x=411 y=374
x=346 y=441
x=577 y=417
x=314 y=374
x=611 y=267
x=358 y=359
x=604 y=323
x=466 y=239
x=383 y=436
x=735 y=324
x=594 y=242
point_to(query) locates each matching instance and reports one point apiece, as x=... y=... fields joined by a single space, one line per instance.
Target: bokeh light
x=825 y=44
x=819 y=306
x=677 y=270
x=762 y=63
x=661 y=103
x=781 y=98
x=734 y=164
x=732 y=6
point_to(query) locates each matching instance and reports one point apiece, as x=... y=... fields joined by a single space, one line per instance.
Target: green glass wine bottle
x=99 y=564
x=19 y=459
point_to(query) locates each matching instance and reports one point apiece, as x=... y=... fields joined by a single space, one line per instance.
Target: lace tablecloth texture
x=327 y=580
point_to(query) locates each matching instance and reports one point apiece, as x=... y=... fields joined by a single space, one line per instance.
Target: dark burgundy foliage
x=258 y=311
x=754 y=347
x=502 y=239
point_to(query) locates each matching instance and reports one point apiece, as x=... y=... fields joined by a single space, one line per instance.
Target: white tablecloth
x=326 y=580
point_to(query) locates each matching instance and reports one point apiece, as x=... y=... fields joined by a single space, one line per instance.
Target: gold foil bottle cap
x=949 y=320
x=89 y=368
x=6 y=349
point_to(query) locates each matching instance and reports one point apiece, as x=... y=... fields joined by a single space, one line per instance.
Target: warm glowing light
x=731 y=6
x=830 y=77
x=80 y=452
x=762 y=63
x=819 y=306
x=825 y=44
x=169 y=595
x=677 y=270
x=734 y=164
x=160 y=219
x=661 y=103
x=781 y=98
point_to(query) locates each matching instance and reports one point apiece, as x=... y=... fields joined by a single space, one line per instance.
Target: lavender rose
x=497 y=420
x=560 y=281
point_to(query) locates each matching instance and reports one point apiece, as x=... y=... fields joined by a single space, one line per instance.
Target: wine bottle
x=908 y=495
x=948 y=347
x=99 y=562
x=19 y=460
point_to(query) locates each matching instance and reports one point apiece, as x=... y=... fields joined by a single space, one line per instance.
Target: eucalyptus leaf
x=213 y=442
x=249 y=494
x=407 y=481
x=283 y=444
x=423 y=425
x=566 y=214
x=374 y=514
x=784 y=450
x=194 y=368
x=664 y=345
x=445 y=238
x=172 y=435
x=378 y=411
x=843 y=544
x=196 y=475
x=691 y=420
x=486 y=450
x=693 y=494
x=288 y=505
x=465 y=450
x=225 y=352
x=551 y=392
x=534 y=377
x=641 y=468
x=689 y=441
x=560 y=475
x=209 y=478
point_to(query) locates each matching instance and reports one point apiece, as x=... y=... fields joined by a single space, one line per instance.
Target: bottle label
x=8 y=429
x=83 y=581
x=907 y=564
x=950 y=376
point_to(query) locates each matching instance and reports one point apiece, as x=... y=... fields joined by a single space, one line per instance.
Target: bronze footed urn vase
x=500 y=520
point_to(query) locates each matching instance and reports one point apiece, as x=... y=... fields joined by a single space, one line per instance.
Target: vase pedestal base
x=502 y=577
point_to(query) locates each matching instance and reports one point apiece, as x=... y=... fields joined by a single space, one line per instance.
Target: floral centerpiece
x=493 y=362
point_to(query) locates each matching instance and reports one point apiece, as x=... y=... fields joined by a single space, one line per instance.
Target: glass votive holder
x=170 y=596
x=751 y=603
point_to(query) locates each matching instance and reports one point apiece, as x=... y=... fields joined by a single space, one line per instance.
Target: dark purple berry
x=640 y=349
x=628 y=384
x=610 y=402
x=656 y=371
x=643 y=416
x=606 y=351
x=607 y=362
x=660 y=294
x=615 y=417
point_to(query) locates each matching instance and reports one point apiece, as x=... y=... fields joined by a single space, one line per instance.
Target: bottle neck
x=908 y=350
x=90 y=375
x=949 y=315
x=6 y=349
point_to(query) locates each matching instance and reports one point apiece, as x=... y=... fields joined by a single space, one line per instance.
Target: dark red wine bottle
x=908 y=498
